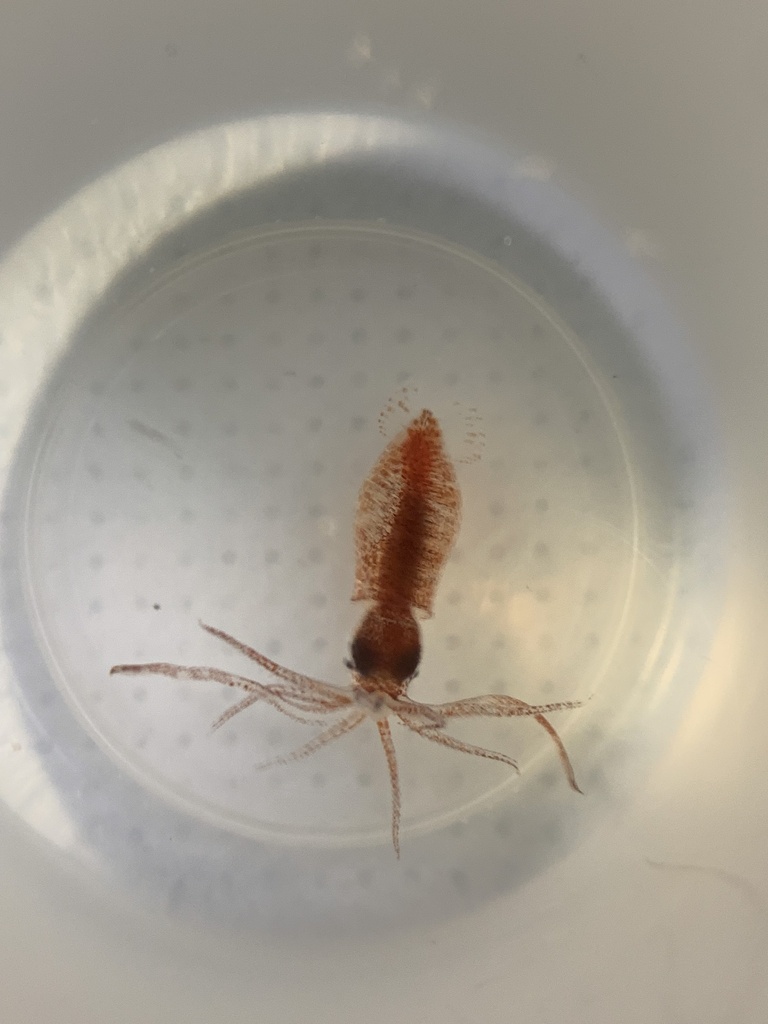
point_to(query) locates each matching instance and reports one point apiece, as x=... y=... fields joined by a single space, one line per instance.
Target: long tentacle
x=197 y=673
x=394 y=778
x=565 y=761
x=300 y=682
x=427 y=715
x=338 y=729
x=500 y=705
x=312 y=702
x=254 y=698
x=257 y=691
x=443 y=738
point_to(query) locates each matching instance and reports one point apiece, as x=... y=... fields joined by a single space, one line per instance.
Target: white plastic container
x=229 y=237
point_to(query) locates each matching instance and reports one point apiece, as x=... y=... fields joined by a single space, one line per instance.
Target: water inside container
x=193 y=451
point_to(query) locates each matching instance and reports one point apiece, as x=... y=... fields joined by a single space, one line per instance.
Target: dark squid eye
x=407 y=663
x=365 y=659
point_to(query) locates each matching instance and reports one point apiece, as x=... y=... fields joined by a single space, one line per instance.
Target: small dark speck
x=156 y=607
